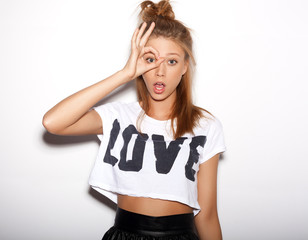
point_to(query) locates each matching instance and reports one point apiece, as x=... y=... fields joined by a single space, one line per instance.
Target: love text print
x=165 y=156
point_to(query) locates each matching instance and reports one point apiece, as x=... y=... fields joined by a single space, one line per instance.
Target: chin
x=159 y=97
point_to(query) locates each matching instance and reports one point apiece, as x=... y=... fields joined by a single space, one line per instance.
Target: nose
x=160 y=70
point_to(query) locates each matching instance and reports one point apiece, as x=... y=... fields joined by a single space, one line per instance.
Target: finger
x=140 y=33
x=151 y=50
x=159 y=61
x=146 y=36
x=133 y=40
x=155 y=64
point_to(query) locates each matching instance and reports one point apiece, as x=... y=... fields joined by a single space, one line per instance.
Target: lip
x=159 y=87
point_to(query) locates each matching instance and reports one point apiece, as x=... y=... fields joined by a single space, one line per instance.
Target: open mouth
x=159 y=87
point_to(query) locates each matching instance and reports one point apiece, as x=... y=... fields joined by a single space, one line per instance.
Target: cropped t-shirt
x=149 y=162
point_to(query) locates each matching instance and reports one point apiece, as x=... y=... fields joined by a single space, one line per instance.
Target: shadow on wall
x=62 y=141
x=102 y=199
x=56 y=140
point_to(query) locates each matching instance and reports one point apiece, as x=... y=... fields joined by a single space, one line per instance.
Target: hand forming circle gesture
x=136 y=65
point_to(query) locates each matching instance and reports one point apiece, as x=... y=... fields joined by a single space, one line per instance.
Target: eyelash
x=175 y=62
x=151 y=60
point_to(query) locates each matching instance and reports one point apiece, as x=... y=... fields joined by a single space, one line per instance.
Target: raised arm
x=71 y=116
x=207 y=222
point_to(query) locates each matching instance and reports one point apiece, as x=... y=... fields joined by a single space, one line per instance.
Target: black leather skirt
x=133 y=226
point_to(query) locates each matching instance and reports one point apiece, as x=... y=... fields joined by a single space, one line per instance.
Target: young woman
x=158 y=157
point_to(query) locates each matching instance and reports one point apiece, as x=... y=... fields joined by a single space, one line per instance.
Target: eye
x=172 y=62
x=150 y=60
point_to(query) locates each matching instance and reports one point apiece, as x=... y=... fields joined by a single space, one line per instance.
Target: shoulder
x=209 y=121
x=211 y=127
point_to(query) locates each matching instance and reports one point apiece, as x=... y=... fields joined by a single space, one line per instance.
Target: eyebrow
x=168 y=54
x=173 y=54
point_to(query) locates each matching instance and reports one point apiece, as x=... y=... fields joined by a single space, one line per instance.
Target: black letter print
x=165 y=157
x=113 y=137
x=136 y=163
x=193 y=156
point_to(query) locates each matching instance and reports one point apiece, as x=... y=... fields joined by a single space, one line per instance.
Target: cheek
x=177 y=73
x=146 y=78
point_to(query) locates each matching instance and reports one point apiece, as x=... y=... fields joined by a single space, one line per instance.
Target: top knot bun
x=151 y=11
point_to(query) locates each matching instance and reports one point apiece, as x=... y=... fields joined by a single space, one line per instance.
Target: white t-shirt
x=151 y=164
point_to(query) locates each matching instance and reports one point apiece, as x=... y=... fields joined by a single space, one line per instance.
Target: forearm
x=208 y=228
x=72 y=108
x=65 y=116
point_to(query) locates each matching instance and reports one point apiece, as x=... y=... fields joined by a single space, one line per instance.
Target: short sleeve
x=215 y=142
x=106 y=113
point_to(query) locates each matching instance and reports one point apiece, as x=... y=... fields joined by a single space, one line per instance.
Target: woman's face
x=161 y=82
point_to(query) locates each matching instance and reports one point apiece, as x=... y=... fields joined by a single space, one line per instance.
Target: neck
x=160 y=110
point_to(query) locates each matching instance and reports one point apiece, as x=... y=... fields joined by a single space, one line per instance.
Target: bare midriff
x=151 y=206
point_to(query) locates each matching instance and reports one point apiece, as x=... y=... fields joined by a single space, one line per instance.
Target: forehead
x=165 y=46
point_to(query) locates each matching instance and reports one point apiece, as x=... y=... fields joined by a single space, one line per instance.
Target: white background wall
x=251 y=73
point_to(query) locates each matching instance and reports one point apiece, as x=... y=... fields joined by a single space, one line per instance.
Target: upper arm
x=207 y=186
x=89 y=123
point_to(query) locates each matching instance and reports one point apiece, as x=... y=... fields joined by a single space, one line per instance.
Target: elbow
x=207 y=215
x=48 y=125
x=208 y=226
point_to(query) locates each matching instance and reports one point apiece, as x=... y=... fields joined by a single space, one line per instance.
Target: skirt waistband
x=155 y=226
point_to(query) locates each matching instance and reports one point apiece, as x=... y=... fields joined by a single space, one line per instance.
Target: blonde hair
x=185 y=115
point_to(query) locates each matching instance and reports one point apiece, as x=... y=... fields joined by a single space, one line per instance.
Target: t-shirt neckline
x=150 y=119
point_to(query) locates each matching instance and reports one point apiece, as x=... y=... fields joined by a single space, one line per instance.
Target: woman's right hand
x=136 y=64
x=71 y=116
